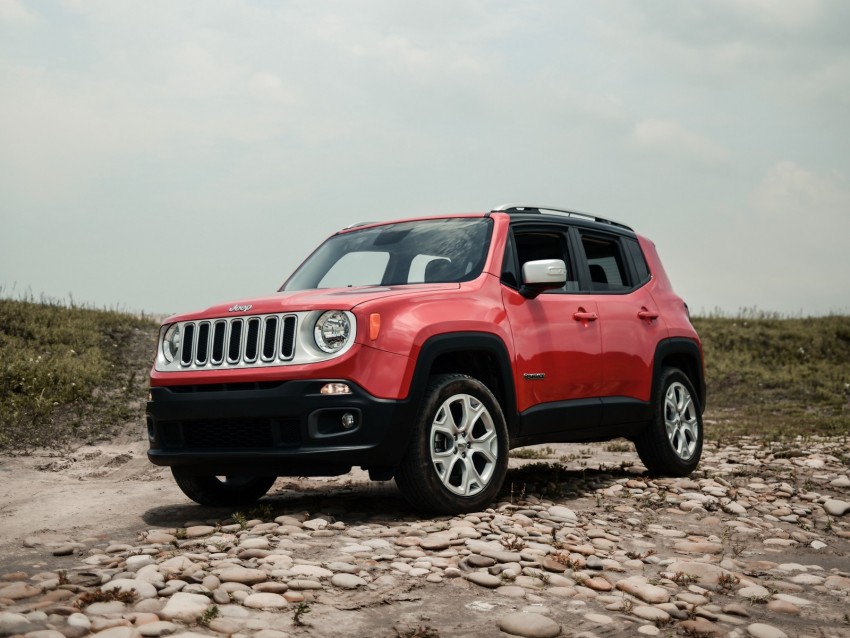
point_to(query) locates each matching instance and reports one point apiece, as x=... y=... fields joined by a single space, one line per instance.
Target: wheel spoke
x=464 y=445
x=680 y=421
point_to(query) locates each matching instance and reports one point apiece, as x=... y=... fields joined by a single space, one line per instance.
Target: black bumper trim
x=283 y=429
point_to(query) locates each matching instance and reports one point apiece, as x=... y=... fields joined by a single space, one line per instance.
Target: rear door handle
x=647 y=315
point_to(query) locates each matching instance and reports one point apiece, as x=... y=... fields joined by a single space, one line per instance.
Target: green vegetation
x=70 y=374
x=775 y=377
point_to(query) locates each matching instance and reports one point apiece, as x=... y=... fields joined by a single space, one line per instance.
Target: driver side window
x=534 y=245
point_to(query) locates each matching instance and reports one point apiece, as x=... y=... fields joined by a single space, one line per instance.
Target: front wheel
x=222 y=491
x=671 y=444
x=458 y=456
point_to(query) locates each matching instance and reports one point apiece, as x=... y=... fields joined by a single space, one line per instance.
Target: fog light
x=348 y=420
x=335 y=388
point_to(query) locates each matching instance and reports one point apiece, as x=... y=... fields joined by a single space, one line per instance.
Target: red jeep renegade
x=425 y=349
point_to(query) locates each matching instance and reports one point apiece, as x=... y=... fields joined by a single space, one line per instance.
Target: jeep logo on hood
x=238 y=308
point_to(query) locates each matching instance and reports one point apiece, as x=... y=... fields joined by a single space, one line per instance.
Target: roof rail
x=358 y=225
x=534 y=209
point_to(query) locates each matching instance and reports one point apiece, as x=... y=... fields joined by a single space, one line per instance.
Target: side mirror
x=544 y=274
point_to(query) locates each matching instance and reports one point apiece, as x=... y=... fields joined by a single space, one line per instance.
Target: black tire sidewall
x=435 y=496
x=672 y=462
x=208 y=490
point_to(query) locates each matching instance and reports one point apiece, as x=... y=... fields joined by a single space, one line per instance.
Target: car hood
x=303 y=300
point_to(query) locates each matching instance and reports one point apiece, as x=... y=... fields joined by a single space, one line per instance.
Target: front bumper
x=284 y=428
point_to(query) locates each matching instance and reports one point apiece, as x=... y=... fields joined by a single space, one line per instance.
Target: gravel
x=755 y=543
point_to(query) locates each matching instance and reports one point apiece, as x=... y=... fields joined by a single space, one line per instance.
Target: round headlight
x=332 y=331
x=171 y=342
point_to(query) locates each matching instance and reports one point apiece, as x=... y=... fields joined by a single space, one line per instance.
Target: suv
x=424 y=350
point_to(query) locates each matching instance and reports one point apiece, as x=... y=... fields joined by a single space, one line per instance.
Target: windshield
x=430 y=251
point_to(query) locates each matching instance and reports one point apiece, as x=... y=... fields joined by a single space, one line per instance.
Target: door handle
x=647 y=315
x=582 y=315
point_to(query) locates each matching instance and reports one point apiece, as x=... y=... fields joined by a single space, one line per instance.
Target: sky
x=166 y=155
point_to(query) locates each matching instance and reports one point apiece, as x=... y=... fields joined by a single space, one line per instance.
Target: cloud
x=14 y=12
x=788 y=15
x=789 y=193
x=671 y=138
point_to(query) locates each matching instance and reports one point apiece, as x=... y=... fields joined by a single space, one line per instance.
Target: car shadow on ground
x=366 y=502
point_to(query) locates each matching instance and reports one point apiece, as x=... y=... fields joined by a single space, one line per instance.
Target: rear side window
x=606 y=263
x=639 y=261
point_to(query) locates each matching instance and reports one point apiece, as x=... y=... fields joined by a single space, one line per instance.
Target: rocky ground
x=755 y=543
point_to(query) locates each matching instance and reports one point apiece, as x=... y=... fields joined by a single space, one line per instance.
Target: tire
x=226 y=491
x=458 y=456
x=671 y=445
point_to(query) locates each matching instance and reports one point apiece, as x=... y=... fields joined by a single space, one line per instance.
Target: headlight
x=332 y=331
x=171 y=342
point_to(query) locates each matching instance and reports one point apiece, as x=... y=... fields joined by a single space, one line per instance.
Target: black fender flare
x=458 y=342
x=679 y=348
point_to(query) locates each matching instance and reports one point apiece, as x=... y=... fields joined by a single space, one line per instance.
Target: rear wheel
x=672 y=442
x=458 y=456
x=222 y=491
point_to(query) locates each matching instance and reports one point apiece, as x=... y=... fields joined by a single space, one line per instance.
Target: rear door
x=618 y=282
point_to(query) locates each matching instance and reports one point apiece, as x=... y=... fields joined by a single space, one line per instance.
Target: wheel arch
x=481 y=355
x=686 y=355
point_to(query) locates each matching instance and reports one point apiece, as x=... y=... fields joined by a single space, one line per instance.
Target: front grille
x=224 y=343
x=230 y=434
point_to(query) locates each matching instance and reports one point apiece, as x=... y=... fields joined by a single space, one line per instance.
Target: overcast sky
x=165 y=156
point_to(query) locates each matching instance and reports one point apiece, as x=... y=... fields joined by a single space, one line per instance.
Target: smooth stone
x=477 y=560
x=688 y=547
x=19 y=591
x=562 y=513
x=529 y=625
x=753 y=591
x=435 y=543
x=347 y=581
x=111 y=608
x=265 y=600
x=143 y=589
x=783 y=607
x=246 y=576
x=834 y=507
x=761 y=630
x=484 y=580
x=639 y=588
x=706 y=575
x=185 y=607
x=653 y=614
x=196 y=531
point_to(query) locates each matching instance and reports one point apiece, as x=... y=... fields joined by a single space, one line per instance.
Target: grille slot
x=219 y=332
x=252 y=338
x=188 y=344
x=203 y=348
x=269 y=338
x=240 y=341
x=287 y=341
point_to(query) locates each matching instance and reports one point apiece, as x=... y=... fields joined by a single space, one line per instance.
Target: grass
x=69 y=374
x=776 y=377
